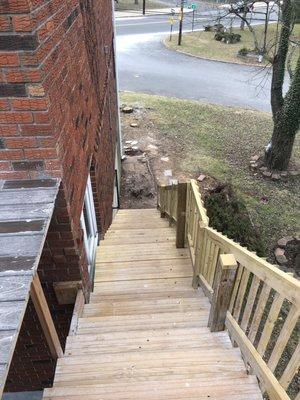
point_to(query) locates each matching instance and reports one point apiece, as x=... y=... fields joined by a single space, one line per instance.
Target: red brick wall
x=58 y=112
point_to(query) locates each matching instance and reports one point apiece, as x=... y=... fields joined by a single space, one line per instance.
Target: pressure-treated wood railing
x=257 y=302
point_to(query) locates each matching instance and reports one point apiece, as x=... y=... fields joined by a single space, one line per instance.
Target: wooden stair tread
x=144 y=334
x=143 y=306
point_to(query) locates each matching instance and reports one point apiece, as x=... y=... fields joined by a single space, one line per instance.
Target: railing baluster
x=270 y=322
x=241 y=294
x=291 y=368
x=258 y=313
x=284 y=336
x=250 y=302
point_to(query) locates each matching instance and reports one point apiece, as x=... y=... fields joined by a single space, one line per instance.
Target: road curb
x=213 y=59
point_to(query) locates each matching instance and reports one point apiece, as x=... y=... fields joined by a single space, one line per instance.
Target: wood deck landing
x=144 y=333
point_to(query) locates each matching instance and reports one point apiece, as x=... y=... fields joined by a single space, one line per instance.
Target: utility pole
x=144 y=7
x=180 y=23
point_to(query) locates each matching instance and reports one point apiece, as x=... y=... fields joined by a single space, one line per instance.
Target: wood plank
x=98 y=327
x=280 y=281
x=66 y=292
x=97 y=297
x=250 y=302
x=143 y=270
x=85 y=379
x=143 y=286
x=113 y=240
x=258 y=313
x=208 y=365
x=145 y=333
x=282 y=340
x=227 y=355
x=142 y=346
x=77 y=312
x=269 y=324
x=241 y=294
x=42 y=310
x=144 y=306
x=252 y=356
x=291 y=369
x=151 y=319
x=223 y=285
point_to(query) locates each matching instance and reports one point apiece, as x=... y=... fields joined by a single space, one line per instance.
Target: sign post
x=180 y=23
x=194 y=7
x=171 y=19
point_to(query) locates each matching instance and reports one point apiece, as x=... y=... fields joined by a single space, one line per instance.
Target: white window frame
x=91 y=241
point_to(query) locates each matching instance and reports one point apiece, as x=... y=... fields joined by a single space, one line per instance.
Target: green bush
x=219 y=36
x=228 y=37
x=243 y=52
x=229 y=216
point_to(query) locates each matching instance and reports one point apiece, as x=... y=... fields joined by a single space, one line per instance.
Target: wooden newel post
x=162 y=201
x=181 y=213
x=223 y=285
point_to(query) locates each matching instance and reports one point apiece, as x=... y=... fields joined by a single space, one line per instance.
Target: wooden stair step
x=227 y=355
x=96 y=297
x=143 y=270
x=138 y=232
x=91 y=378
x=151 y=344
x=154 y=365
x=159 y=389
x=145 y=334
x=141 y=251
x=143 y=286
x=162 y=320
x=114 y=240
x=106 y=308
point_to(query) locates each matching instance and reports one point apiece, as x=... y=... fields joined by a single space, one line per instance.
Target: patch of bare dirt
x=149 y=159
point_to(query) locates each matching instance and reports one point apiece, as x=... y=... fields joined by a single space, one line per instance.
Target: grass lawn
x=129 y=5
x=219 y=141
x=203 y=44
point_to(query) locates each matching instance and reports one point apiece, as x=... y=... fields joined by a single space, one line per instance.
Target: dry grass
x=129 y=5
x=219 y=141
x=204 y=45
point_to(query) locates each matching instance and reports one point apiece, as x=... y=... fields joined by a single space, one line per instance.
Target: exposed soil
x=146 y=162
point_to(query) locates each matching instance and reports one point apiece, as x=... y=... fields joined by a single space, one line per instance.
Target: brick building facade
x=58 y=118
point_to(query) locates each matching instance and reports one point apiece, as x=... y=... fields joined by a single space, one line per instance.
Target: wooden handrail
x=258 y=295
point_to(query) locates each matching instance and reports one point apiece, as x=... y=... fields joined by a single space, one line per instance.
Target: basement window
x=89 y=226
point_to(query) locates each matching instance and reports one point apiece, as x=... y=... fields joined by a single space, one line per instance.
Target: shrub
x=229 y=215
x=228 y=37
x=243 y=52
x=219 y=28
x=219 y=36
x=208 y=28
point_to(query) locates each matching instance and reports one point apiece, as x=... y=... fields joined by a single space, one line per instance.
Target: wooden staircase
x=144 y=333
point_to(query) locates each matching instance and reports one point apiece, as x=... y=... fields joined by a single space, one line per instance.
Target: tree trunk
x=285 y=110
x=242 y=26
x=281 y=146
x=136 y=2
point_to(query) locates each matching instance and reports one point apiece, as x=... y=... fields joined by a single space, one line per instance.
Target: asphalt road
x=145 y=65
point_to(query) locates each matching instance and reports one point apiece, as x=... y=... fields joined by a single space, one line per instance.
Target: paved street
x=145 y=65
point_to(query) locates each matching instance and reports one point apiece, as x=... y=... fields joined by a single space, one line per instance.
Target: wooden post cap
x=227 y=261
